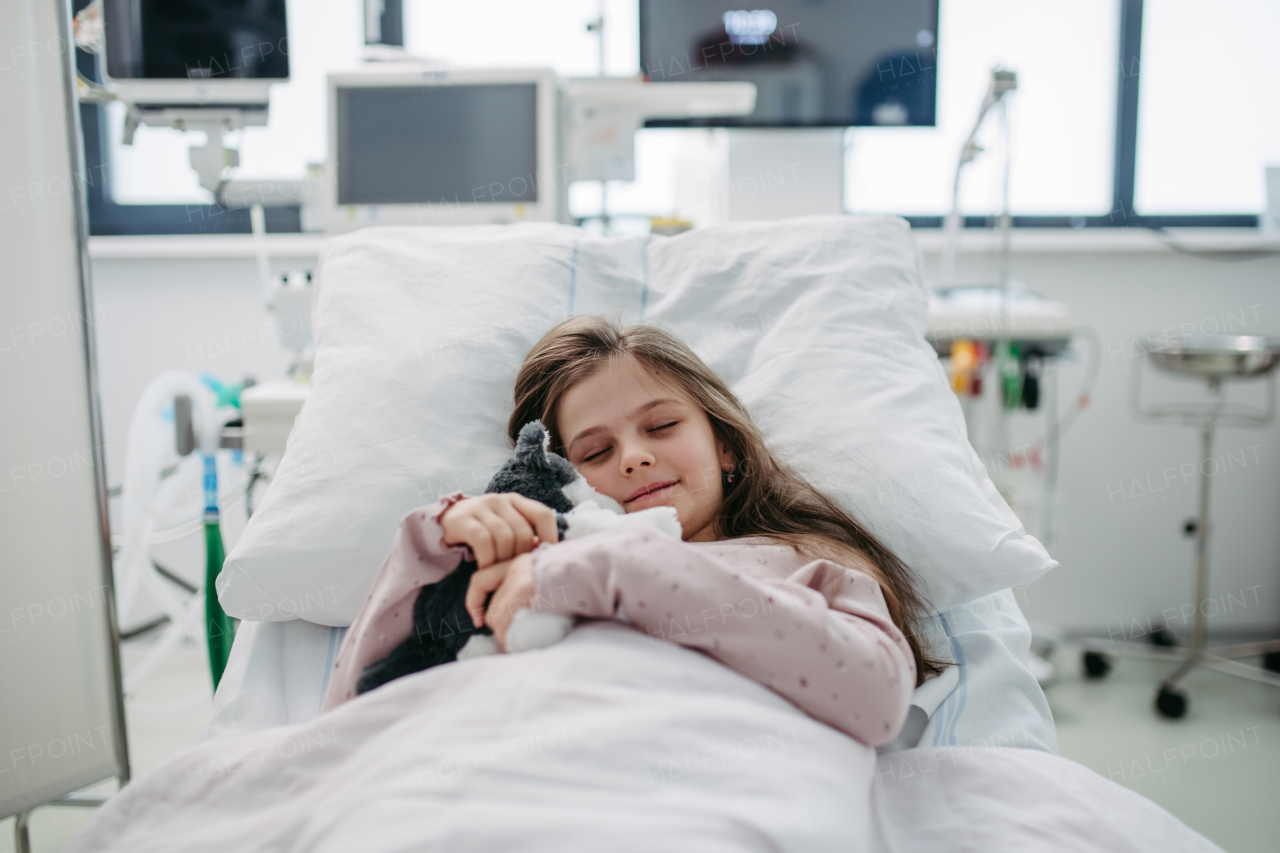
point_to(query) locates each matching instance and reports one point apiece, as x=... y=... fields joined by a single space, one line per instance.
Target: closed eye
x=600 y=453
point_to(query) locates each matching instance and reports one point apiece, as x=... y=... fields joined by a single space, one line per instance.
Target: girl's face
x=645 y=443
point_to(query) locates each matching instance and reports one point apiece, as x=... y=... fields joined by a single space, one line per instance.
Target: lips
x=650 y=489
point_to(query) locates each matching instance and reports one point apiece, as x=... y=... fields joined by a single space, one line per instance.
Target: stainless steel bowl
x=1218 y=356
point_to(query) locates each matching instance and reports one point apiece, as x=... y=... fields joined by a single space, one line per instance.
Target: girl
x=774 y=579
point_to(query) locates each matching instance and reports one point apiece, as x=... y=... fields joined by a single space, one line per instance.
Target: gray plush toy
x=442 y=627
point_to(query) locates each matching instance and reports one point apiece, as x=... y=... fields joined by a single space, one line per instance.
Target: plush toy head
x=535 y=471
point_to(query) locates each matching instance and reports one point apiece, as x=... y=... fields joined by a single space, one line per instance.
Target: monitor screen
x=196 y=39
x=463 y=144
x=814 y=62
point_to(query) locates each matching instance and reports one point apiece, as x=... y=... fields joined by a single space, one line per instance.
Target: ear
x=726 y=456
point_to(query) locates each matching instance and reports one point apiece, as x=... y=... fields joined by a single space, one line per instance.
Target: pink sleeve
x=821 y=637
x=419 y=556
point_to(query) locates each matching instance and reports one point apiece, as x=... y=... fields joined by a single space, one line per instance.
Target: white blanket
x=607 y=741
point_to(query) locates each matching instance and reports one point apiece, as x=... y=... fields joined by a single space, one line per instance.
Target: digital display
x=196 y=39
x=463 y=144
x=814 y=62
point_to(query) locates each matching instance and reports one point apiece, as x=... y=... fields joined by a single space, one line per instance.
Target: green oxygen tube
x=1009 y=367
x=220 y=629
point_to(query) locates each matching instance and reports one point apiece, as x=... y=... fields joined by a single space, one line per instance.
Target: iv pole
x=1003 y=81
x=596 y=26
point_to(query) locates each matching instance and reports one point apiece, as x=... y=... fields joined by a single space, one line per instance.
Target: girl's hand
x=498 y=527
x=513 y=580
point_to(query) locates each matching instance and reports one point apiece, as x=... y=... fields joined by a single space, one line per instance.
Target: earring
x=726 y=477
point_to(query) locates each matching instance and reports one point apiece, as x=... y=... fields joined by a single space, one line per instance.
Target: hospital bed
x=406 y=318
x=279 y=671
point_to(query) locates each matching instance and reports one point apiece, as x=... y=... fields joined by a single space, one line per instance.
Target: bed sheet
x=654 y=747
x=278 y=673
x=997 y=701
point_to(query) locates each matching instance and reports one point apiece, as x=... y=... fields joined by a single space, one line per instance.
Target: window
x=525 y=32
x=1189 y=149
x=1062 y=116
x=1208 y=115
x=324 y=35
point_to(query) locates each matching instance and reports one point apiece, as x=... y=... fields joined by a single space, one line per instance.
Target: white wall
x=197 y=315
x=186 y=304
x=1122 y=553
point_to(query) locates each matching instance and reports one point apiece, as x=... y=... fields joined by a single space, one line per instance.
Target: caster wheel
x=1171 y=703
x=1096 y=665
x=1162 y=637
x=1271 y=661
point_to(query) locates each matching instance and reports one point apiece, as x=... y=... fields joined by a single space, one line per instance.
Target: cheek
x=598 y=480
x=693 y=456
x=698 y=468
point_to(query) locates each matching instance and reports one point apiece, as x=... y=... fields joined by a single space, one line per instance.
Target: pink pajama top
x=816 y=632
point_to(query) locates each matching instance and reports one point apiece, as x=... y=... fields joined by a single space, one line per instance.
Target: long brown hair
x=767 y=498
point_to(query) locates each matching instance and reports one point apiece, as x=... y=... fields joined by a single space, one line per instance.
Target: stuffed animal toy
x=443 y=631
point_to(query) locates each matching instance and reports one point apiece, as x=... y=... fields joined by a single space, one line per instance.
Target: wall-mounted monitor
x=421 y=146
x=195 y=52
x=825 y=63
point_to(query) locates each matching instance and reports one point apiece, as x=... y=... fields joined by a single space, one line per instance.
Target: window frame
x=107 y=217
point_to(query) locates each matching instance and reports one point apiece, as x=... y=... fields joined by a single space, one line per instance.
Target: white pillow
x=816 y=323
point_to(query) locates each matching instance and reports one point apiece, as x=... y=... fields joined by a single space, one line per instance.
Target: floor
x=153 y=737
x=1217 y=769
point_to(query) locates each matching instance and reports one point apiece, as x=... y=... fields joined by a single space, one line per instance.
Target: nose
x=633 y=458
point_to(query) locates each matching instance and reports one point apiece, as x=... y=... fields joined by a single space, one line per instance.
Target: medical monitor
x=411 y=145
x=196 y=52
x=827 y=63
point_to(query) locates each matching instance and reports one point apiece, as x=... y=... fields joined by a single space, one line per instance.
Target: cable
x=255 y=474
x=1006 y=218
x=1086 y=389
x=1002 y=82
x=173 y=534
x=159 y=620
x=89 y=92
x=1053 y=435
x=143 y=628
x=116 y=491
x=174 y=579
x=258 y=226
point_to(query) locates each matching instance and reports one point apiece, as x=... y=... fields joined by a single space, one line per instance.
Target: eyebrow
x=652 y=404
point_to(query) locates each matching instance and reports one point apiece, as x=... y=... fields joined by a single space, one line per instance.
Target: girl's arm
x=822 y=637
x=419 y=556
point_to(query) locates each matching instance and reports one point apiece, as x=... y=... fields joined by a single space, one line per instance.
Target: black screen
x=814 y=62
x=196 y=39
x=437 y=144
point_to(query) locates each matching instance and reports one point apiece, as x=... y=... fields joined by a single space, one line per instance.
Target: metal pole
x=596 y=26
x=21 y=834
x=75 y=142
x=21 y=837
x=1049 y=379
x=1195 y=651
x=1202 y=540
